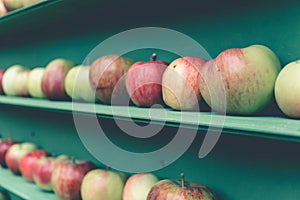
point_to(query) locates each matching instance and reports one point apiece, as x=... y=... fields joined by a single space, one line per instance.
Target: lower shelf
x=20 y=187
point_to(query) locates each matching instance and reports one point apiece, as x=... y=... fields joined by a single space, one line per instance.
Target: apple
x=43 y=169
x=3 y=10
x=103 y=184
x=144 y=80
x=179 y=189
x=2 y=71
x=15 y=153
x=8 y=79
x=241 y=78
x=77 y=84
x=20 y=83
x=54 y=78
x=180 y=83
x=4 y=195
x=34 y=83
x=287 y=89
x=66 y=179
x=12 y=4
x=28 y=162
x=138 y=186
x=107 y=78
x=4 y=146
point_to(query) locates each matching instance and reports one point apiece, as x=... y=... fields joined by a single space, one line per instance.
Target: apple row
x=239 y=81
x=73 y=179
x=10 y=5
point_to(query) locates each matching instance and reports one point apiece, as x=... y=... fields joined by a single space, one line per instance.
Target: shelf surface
x=274 y=127
x=22 y=188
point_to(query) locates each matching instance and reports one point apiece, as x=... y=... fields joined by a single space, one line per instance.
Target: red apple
x=107 y=78
x=180 y=83
x=144 y=80
x=241 y=78
x=54 y=78
x=103 y=184
x=15 y=153
x=4 y=146
x=180 y=190
x=20 y=83
x=43 y=169
x=28 y=162
x=3 y=10
x=1 y=74
x=138 y=186
x=67 y=178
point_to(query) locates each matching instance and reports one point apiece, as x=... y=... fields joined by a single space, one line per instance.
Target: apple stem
x=182 y=180
x=153 y=57
x=107 y=168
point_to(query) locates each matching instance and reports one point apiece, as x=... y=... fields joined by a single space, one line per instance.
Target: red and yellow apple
x=20 y=83
x=103 y=184
x=180 y=83
x=12 y=4
x=241 y=78
x=43 y=170
x=28 y=162
x=144 y=82
x=107 y=78
x=15 y=153
x=8 y=80
x=138 y=186
x=180 y=190
x=3 y=10
x=53 y=81
x=66 y=179
x=4 y=146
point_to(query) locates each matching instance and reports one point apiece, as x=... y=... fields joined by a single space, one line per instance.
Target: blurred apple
x=67 y=178
x=241 y=78
x=138 y=186
x=4 y=146
x=2 y=71
x=28 y=162
x=107 y=78
x=12 y=4
x=3 y=10
x=77 y=84
x=15 y=153
x=54 y=78
x=103 y=184
x=8 y=79
x=34 y=83
x=287 y=89
x=180 y=83
x=43 y=170
x=181 y=190
x=144 y=80
x=20 y=83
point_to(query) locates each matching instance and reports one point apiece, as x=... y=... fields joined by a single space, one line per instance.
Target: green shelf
x=25 y=190
x=274 y=127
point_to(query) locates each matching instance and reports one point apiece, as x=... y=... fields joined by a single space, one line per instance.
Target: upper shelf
x=274 y=127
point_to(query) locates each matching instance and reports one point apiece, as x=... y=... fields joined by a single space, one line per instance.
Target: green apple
x=240 y=80
x=287 y=89
x=34 y=83
x=102 y=184
x=20 y=83
x=77 y=84
x=9 y=79
x=138 y=186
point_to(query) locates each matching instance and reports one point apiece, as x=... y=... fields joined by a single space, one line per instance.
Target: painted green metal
x=239 y=167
